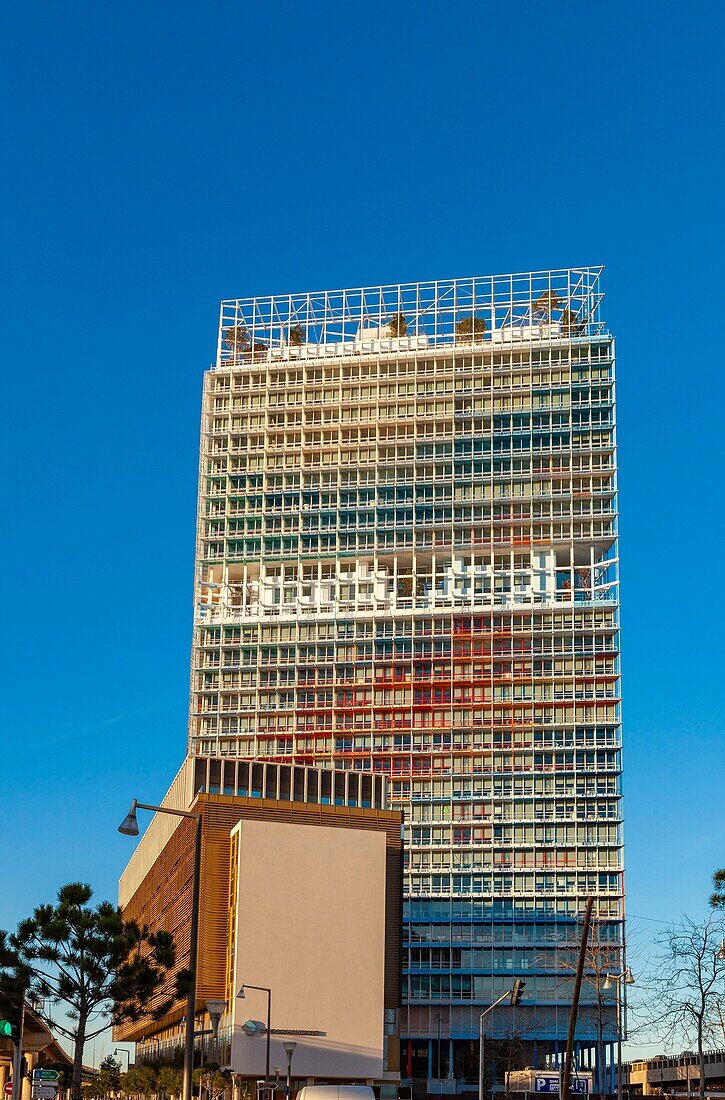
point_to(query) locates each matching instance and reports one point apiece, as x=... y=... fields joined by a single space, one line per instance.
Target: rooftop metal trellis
x=493 y=308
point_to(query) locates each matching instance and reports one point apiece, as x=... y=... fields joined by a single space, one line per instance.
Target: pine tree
x=98 y=968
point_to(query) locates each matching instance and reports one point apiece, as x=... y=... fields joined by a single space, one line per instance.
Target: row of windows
x=487 y=857
x=429 y=378
x=290 y=448
x=383 y=516
x=441 y=625
x=256 y=376
x=479 y=428
x=404 y=700
x=387 y=649
x=417 y=743
x=555 y=466
x=479 y=927
x=453 y=692
x=542 y=990
x=502 y=535
x=420 y=493
x=364 y=697
x=538 y=958
x=512 y=833
x=580 y=882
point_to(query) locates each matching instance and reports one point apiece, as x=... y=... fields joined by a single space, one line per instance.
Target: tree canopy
x=237 y=337
x=546 y=303
x=91 y=964
x=471 y=326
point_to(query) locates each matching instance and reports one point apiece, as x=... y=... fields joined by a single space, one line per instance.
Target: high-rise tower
x=407 y=564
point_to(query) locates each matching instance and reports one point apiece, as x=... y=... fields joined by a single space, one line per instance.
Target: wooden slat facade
x=163 y=900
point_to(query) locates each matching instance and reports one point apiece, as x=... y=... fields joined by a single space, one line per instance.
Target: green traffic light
x=6 y=1028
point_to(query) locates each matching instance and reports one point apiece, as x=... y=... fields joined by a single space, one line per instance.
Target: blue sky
x=159 y=158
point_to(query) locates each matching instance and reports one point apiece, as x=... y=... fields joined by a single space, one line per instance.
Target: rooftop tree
x=546 y=303
x=468 y=328
x=237 y=338
x=398 y=325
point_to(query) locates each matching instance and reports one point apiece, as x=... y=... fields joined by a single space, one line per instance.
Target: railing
x=216 y=613
x=498 y=311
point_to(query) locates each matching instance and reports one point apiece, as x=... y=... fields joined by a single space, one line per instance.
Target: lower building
x=300 y=894
x=677 y=1074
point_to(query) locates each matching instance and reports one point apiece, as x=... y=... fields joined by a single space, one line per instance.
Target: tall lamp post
x=626 y=978
x=289 y=1049
x=129 y=827
x=262 y=989
x=120 y=1050
x=515 y=993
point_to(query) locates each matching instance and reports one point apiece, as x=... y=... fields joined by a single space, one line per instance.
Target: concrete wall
x=311 y=925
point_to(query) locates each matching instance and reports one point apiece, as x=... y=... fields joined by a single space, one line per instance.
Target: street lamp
x=289 y=1049
x=120 y=1050
x=626 y=978
x=261 y=989
x=129 y=827
x=515 y=994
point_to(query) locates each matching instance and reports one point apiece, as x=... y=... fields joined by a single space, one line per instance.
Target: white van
x=336 y=1092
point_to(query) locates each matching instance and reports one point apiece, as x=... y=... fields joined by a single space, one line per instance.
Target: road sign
x=8 y=1088
x=550 y=1083
x=45 y=1074
x=45 y=1092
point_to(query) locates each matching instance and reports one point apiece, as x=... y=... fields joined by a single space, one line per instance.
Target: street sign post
x=45 y=1074
x=45 y=1092
x=8 y=1088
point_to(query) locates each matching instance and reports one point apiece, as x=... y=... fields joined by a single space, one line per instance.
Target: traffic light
x=11 y=1014
x=517 y=992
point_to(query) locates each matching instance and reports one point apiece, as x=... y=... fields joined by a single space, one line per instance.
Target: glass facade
x=407 y=565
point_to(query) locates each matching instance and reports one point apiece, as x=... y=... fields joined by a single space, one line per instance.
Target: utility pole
x=18 y=1051
x=564 y=1091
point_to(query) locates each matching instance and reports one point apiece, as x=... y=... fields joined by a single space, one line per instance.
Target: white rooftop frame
x=338 y=319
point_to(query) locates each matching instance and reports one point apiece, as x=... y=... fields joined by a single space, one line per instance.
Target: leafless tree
x=688 y=988
x=603 y=961
x=507 y=1048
